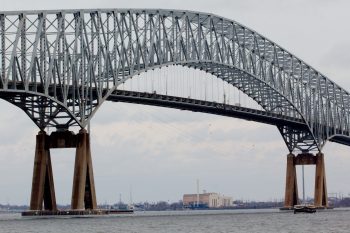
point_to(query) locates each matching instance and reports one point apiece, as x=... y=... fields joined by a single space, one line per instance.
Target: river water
x=186 y=221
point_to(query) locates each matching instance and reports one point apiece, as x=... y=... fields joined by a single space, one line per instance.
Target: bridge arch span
x=61 y=65
x=79 y=57
x=261 y=92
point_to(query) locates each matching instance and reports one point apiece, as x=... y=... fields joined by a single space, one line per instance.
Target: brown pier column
x=90 y=192
x=321 y=197
x=291 y=193
x=83 y=192
x=305 y=158
x=43 y=190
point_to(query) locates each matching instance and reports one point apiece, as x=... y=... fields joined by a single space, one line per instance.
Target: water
x=187 y=221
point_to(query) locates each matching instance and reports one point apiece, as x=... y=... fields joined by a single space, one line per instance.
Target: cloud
x=335 y=62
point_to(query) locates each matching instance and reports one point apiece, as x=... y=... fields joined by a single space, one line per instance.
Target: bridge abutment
x=291 y=190
x=43 y=191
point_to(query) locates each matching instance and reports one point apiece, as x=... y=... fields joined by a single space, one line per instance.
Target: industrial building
x=206 y=200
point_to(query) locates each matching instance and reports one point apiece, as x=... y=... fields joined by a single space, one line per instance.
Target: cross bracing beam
x=76 y=58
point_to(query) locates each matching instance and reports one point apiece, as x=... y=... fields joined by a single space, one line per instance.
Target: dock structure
x=72 y=213
x=40 y=213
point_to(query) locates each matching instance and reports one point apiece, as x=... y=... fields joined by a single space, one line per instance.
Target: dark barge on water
x=75 y=213
x=309 y=209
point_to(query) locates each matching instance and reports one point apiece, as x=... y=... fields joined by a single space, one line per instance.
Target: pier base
x=72 y=213
x=43 y=191
x=291 y=191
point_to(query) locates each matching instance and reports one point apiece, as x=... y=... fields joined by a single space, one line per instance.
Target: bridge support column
x=291 y=193
x=43 y=190
x=83 y=192
x=321 y=197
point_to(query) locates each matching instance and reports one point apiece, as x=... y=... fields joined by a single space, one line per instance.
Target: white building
x=212 y=200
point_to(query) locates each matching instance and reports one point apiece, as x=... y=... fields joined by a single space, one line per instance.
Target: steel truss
x=60 y=66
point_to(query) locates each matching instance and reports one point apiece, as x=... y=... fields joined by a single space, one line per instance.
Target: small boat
x=304 y=209
x=122 y=208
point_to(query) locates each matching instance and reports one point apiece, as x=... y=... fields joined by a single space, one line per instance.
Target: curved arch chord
x=42 y=110
x=258 y=90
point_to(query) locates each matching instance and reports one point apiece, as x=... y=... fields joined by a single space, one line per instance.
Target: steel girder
x=76 y=58
x=223 y=109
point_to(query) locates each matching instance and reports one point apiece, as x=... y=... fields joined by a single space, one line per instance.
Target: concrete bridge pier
x=43 y=191
x=291 y=191
x=83 y=192
x=321 y=196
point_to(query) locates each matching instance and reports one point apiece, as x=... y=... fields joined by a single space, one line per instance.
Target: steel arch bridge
x=60 y=66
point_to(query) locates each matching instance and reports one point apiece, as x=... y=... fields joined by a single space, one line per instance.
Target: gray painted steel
x=60 y=66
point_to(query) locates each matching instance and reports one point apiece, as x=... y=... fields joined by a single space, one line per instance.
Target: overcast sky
x=159 y=152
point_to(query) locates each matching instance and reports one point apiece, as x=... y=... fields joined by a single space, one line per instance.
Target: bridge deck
x=194 y=105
